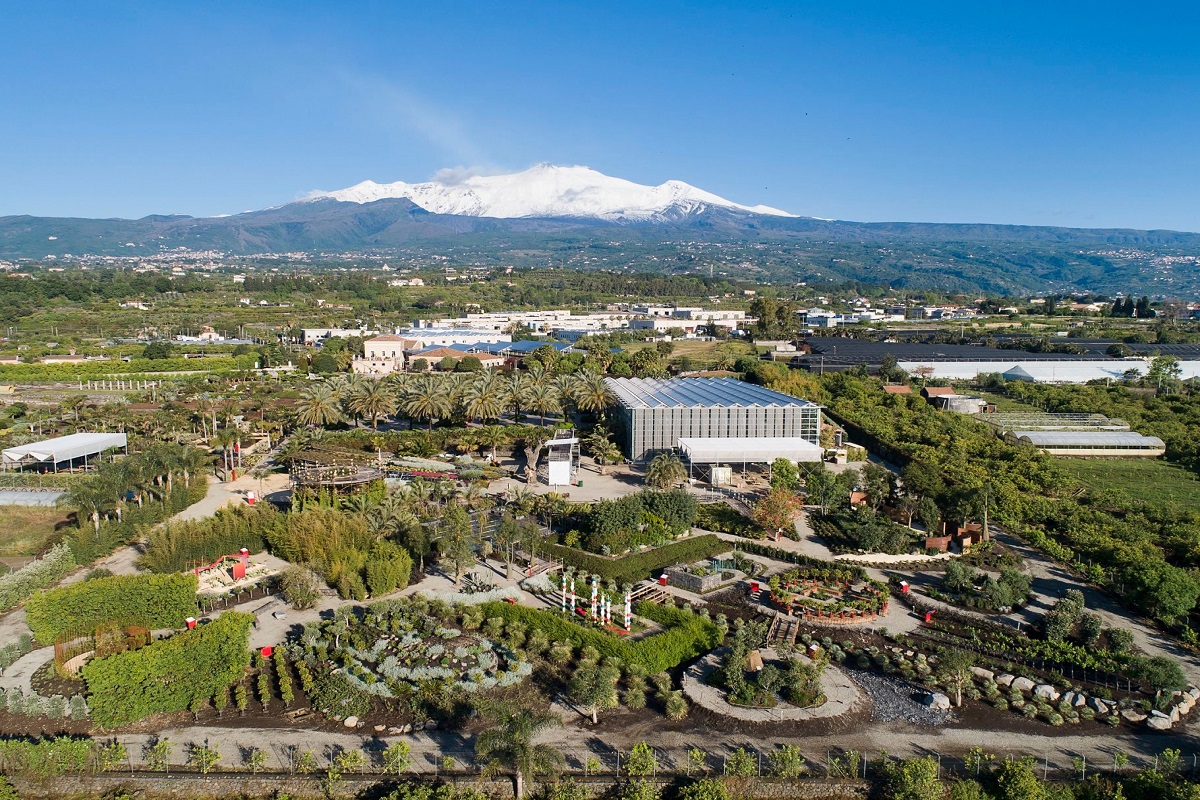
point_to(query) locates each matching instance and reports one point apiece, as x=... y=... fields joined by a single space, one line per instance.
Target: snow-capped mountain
x=550 y=191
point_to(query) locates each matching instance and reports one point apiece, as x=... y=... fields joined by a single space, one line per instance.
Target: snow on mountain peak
x=546 y=190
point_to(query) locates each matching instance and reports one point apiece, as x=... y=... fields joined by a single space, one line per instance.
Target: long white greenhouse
x=51 y=453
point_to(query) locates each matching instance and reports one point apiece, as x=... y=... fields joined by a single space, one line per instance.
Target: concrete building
x=654 y=415
x=312 y=336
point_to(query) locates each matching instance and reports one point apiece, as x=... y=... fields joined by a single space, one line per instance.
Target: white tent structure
x=64 y=449
x=749 y=450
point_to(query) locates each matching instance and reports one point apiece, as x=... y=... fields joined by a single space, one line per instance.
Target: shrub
x=176 y=546
x=17 y=585
x=158 y=601
x=170 y=674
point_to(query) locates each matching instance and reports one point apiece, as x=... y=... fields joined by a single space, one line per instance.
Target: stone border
x=841 y=694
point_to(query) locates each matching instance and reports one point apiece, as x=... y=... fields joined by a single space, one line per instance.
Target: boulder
x=1133 y=715
x=1157 y=713
x=1004 y=679
x=1193 y=693
x=380 y=728
x=1186 y=705
x=350 y=722
x=406 y=728
x=1080 y=700
x=431 y=725
x=983 y=674
x=1158 y=723
x=1023 y=684
x=1045 y=691
x=1099 y=705
x=394 y=731
x=937 y=701
x=1069 y=698
x=1174 y=715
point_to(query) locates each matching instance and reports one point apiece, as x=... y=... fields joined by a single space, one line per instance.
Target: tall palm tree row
x=104 y=492
x=434 y=397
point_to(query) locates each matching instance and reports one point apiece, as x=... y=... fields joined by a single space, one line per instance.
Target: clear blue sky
x=1041 y=113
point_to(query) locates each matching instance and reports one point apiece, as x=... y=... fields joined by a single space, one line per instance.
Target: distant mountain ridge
x=550 y=191
x=542 y=216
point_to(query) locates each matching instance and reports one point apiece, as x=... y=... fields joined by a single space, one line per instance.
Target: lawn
x=1142 y=479
x=26 y=530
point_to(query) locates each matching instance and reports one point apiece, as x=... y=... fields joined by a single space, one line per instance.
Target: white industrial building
x=657 y=415
x=1040 y=371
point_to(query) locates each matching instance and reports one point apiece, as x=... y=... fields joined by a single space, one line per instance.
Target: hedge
x=789 y=557
x=160 y=601
x=687 y=635
x=639 y=566
x=19 y=584
x=168 y=675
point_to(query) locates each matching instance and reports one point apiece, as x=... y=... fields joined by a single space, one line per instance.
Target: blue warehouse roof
x=697 y=393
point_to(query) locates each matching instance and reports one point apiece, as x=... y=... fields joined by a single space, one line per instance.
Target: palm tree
x=373 y=399
x=543 y=398
x=319 y=405
x=666 y=471
x=492 y=436
x=594 y=688
x=591 y=392
x=136 y=477
x=481 y=397
x=509 y=744
x=92 y=497
x=605 y=453
x=191 y=461
x=512 y=393
x=225 y=439
x=426 y=398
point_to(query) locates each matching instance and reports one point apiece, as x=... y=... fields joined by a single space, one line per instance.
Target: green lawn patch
x=28 y=530
x=723 y=518
x=638 y=566
x=1144 y=480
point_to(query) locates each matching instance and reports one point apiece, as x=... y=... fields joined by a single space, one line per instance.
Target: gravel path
x=20 y=672
x=895 y=700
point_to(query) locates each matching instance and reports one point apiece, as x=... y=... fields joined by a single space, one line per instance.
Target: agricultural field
x=27 y=530
x=1155 y=482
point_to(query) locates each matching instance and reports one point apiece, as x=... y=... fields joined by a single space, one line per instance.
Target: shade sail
x=64 y=448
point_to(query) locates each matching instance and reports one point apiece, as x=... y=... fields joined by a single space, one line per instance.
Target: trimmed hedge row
x=168 y=675
x=20 y=584
x=161 y=601
x=639 y=566
x=787 y=556
x=687 y=635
